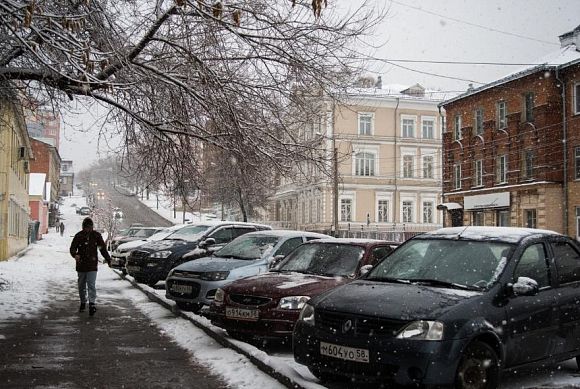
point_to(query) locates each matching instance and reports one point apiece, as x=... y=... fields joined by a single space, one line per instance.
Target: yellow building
x=15 y=153
x=388 y=142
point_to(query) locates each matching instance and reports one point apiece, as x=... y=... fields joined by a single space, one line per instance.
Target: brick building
x=47 y=160
x=505 y=157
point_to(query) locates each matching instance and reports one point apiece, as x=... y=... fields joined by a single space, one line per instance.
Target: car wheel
x=190 y=307
x=479 y=367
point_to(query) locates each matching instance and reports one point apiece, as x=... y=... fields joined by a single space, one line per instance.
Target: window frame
x=576 y=99
x=383 y=219
x=531 y=214
x=546 y=264
x=457 y=124
x=431 y=207
x=428 y=119
x=431 y=165
x=527 y=164
x=411 y=206
x=414 y=129
x=371 y=129
x=478 y=121
x=364 y=160
x=457 y=176
x=577 y=163
x=405 y=171
x=528 y=107
x=501 y=169
x=351 y=204
x=501 y=117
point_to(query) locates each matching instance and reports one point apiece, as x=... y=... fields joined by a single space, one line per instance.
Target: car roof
x=290 y=233
x=357 y=241
x=501 y=234
x=217 y=223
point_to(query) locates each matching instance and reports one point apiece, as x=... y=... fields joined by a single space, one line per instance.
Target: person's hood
x=210 y=264
x=277 y=285
x=396 y=301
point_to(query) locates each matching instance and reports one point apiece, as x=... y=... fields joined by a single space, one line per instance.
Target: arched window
x=365 y=164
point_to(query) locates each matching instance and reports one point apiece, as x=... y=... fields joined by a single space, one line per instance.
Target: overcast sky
x=507 y=32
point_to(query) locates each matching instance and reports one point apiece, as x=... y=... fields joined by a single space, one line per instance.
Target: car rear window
x=329 y=259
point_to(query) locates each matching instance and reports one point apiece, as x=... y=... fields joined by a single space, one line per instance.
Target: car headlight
x=160 y=254
x=422 y=330
x=307 y=314
x=214 y=275
x=293 y=302
x=219 y=296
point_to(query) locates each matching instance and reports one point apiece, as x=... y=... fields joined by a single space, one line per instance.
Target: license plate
x=179 y=288
x=242 y=314
x=133 y=268
x=345 y=353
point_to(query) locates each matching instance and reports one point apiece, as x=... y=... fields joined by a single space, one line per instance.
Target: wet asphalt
x=116 y=348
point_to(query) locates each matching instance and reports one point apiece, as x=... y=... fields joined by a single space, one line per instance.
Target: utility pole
x=335 y=185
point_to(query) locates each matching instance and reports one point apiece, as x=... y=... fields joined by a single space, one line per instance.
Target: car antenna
x=462 y=231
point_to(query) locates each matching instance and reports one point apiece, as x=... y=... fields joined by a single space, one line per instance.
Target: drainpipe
x=442 y=170
x=565 y=144
x=397 y=197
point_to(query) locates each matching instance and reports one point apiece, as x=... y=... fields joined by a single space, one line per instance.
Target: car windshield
x=249 y=247
x=189 y=233
x=159 y=235
x=439 y=262
x=328 y=259
x=132 y=231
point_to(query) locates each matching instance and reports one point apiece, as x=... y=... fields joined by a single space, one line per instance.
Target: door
x=567 y=261
x=532 y=321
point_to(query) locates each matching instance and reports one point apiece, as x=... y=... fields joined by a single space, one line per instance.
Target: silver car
x=193 y=284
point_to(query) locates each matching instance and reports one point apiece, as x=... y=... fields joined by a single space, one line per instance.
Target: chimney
x=379 y=83
x=569 y=38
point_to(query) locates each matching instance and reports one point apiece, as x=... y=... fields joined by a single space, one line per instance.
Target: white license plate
x=133 y=268
x=179 y=288
x=345 y=353
x=242 y=314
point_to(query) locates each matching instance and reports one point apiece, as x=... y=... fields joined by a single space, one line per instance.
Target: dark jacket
x=85 y=244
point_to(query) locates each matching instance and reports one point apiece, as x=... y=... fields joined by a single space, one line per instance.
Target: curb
x=283 y=379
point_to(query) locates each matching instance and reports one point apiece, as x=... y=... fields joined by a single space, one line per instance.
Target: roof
x=357 y=241
x=563 y=57
x=36 y=187
x=395 y=91
x=289 y=233
x=501 y=234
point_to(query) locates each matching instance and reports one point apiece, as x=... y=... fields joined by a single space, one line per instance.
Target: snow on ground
x=23 y=280
x=164 y=207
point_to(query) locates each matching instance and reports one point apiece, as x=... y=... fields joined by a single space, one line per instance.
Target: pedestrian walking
x=57 y=225
x=84 y=250
x=61 y=228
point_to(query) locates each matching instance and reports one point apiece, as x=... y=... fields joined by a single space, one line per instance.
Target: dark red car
x=268 y=305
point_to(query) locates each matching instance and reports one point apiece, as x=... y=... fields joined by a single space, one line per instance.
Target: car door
x=532 y=321
x=567 y=264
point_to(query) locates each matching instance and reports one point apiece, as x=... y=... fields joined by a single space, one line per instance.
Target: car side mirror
x=275 y=261
x=365 y=269
x=525 y=286
x=206 y=243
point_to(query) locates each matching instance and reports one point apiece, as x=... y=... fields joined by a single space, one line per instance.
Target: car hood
x=396 y=301
x=131 y=245
x=277 y=285
x=167 y=244
x=209 y=264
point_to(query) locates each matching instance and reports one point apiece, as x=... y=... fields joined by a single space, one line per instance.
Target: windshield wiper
x=389 y=279
x=433 y=282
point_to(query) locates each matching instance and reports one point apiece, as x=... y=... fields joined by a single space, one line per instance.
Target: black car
x=452 y=307
x=152 y=262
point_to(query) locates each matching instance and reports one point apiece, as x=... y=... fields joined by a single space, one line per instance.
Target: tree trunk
x=242 y=206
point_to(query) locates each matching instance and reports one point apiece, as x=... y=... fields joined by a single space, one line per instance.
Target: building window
x=577 y=163
x=346 y=210
x=529 y=107
x=457 y=176
x=528 y=164
x=478 y=218
x=408 y=166
x=428 y=126
x=383 y=211
x=531 y=218
x=407 y=211
x=478 y=174
x=408 y=128
x=577 y=98
x=457 y=127
x=478 y=121
x=428 y=212
x=501 y=169
x=365 y=164
x=577 y=223
x=365 y=123
x=503 y=218
x=427 y=166
x=501 y=114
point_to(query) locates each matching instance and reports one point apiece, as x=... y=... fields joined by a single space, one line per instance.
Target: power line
x=513 y=34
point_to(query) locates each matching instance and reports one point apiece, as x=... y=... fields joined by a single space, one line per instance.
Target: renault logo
x=346 y=326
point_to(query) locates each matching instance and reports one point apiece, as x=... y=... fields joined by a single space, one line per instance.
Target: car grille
x=334 y=322
x=186 y=274
x=249 y=300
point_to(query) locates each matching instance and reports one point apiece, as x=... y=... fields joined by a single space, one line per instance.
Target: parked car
x=268 y=305
x=193 y=284
x=144 y=235
x=84 y=211
x=153 y=261
x=452 y=307
x=122 y=237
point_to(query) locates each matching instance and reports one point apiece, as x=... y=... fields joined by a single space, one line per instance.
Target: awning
x=450 y=206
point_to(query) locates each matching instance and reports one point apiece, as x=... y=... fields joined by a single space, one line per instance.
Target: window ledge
x=501 y=184
x=478 y=187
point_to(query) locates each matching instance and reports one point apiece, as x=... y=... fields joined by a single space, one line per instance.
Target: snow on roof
x=352 y=241
x=561 y=58
x=504 y=234
x=36 y=185
x=285 y=233
x=396 y=91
